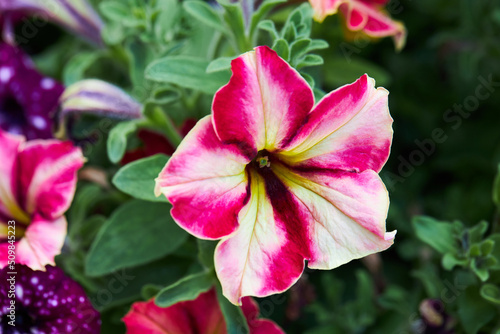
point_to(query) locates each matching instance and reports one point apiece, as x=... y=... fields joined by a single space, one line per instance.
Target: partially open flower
x=77 y=16
x=367 y=16
x=37 y=184
x=45 y=302
x=28 y=100
x=200 y=316
x=93 y=96
x=280 y=180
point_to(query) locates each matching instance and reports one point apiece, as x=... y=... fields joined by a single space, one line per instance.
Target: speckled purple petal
x=27 y=99
x=47 y=302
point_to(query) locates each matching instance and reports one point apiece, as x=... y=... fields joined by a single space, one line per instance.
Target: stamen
x=264 y=162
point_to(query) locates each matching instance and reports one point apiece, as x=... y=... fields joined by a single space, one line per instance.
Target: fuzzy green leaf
x=187 y=288
x=142 y=231
x=137 y=178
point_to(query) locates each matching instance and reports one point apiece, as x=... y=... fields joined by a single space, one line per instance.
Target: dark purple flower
x=27 y=98
x=434 y=317
x=46 y=302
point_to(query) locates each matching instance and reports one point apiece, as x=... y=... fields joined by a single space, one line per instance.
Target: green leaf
x=148 y=291
x=261 y=12
x=204 y=13
x=169 y=15
x=75 y=69
x=138 y=178
x=289 y=32
x=125 y=286
x=450 y=260
x=115 y=11
x=117 y=140
x=206 y=250
x=235 y=320
x=233 y=16
x=268 y=26
x=188 y=72
x=219 y=64
x=474 y=250
x=318 y=44
x=438 y=235
x=165 y=95
x=487 y=247
x=187 y=288
x=140 y=56
x=308 y=78
x=496 y=189
x=310 y=60
x=428 y=276
x=85 y=198
x=474 y=311
x=299 y=48
x=475 y=233
x=281 y=48
x=495 y=252
x=491 y=293
x=140 y=231
x=113 y=33
x=479 y=268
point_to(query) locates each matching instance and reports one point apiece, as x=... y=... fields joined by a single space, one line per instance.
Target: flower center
x=24 y=323
x=262 y=160
x=12 y=116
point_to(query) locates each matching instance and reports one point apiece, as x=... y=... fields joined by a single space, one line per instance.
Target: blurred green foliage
x=444 y=97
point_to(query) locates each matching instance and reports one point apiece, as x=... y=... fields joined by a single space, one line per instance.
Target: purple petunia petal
x=27 y=98
x=46 y=302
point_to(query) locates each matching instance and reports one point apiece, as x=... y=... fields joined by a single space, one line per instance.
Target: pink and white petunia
x=281 y=180
x=368 y=16
x=37 y=184
x=199 y=316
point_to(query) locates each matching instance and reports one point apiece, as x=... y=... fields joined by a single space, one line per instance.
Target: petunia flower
x=199 y=316
x=46 y=302
x=77 y=16
x=434 y=317
x=282 y=181
x=28 y=100
x=93 y=96
x=37 y=184
x=368 y=16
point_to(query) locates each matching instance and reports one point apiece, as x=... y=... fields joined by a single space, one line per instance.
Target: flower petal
x=350 y=129
x=251 y=311
x=42 y=241
x=199 y=316
x=362 y=15
x=47 y=302
x=9 y=206
x=48 y=176
x=373 y=21
x=347 y=213
x=323 y=8
x=266 y=254
x=264 y=103
x=206 y=183
x=97 y=97
x=146 y=317
x=78 y=16
x=27 y=98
